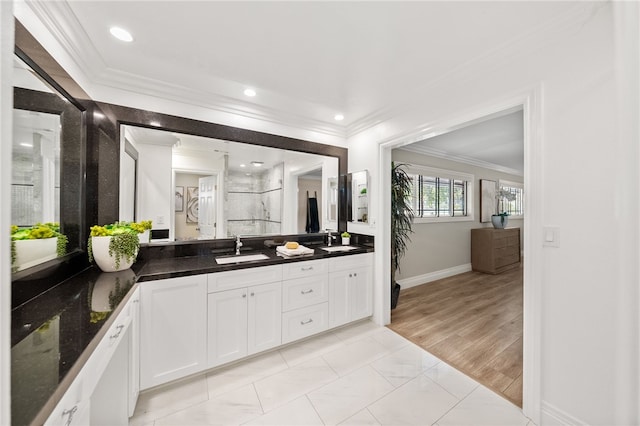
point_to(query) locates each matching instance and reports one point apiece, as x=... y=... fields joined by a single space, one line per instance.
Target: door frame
x=219 y=201
x=530 y=100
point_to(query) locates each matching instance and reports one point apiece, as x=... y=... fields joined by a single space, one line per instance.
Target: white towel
x=294 y=252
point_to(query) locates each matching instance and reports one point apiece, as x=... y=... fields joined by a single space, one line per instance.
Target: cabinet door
x=360 y=288
x=339 y=298
x=265 y=317
x=227 y=325
x=134 y=352
x=173 y=329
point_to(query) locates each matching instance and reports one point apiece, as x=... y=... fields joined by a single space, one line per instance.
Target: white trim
x=433 y=276
x=552 y=415
x=530 y=98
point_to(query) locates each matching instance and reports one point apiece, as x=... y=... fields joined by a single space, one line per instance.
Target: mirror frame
x=121 y=115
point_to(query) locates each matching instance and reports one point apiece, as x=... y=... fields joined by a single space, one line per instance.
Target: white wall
x=155 y=191
x=6 y=124
x=437 y=248
x=588 y=351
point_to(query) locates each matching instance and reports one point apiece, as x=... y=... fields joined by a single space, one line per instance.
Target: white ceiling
x=306 y=60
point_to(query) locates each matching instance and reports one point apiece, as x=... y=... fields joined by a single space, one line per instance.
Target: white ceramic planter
x=33 y=252
x=144 y=237
x=346 y=241
x=100 y=247
x=499 y=222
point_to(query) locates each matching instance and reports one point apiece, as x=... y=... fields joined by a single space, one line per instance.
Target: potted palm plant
x=401 y=222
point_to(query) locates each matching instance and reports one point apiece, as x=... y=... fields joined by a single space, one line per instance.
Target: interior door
x=207 y=207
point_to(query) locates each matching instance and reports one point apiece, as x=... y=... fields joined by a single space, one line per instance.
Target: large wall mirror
x=196 y=187
x=47 y=162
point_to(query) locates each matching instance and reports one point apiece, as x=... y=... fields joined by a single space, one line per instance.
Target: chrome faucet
x=238 y=244
x=330 y=237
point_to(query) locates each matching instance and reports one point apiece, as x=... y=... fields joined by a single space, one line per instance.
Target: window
x=441 y=195
x=514 y=207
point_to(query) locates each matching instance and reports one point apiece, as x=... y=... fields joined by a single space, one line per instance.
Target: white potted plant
x=501 y=219
x=346 y=238
x=113 y=247
x=36 y=244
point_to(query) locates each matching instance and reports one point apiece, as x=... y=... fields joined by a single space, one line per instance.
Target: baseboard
x=433 y=276
x=554 y=416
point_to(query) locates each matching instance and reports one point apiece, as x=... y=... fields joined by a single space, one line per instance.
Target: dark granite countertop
x=53 y=334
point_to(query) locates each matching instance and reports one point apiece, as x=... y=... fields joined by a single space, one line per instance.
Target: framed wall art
x=179 y=198
x=192 y=204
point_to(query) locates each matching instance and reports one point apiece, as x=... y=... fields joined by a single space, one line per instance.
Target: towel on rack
x=313 y=223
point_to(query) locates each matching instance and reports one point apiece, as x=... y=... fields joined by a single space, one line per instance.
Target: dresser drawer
x=305 y=269
x=302 y=292
x=304 y=322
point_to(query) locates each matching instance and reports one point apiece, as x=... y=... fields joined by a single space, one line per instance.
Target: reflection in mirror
x=332 y=202
x=46 y=150
x=201 y=188
x=358 y=184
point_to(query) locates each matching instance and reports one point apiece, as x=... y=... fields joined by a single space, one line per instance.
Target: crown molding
x=460 y=159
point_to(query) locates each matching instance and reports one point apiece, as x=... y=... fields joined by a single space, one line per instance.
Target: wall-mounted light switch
x=160 y=220
x=551 y=236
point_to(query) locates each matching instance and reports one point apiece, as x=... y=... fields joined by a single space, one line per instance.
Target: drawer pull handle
x=306 y=292
x=310 y=320
x=252 y=294
x=69 y=413
x=310 y=268
x=119 y=328
x=244 y=295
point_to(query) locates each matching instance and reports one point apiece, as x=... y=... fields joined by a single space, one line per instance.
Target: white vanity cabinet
x=173 y=332
x=350 y=288
x=101 y=392
x=305 y=293
x=244 y=313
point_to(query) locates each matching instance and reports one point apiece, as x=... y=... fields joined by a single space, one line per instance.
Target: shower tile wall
x=254 y=203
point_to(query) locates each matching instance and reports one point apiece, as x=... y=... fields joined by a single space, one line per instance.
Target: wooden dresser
x=495 y=250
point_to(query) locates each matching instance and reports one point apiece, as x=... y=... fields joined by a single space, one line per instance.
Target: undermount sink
x=338 y=248
x=240 y=258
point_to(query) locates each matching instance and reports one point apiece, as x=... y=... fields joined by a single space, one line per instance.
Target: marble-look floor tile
x=356 y=331
x=165 y=400
x=362 y=418
x=232 y=408
x=455 y=382
x=404 y=364
x=355 y=355
x=307 y=349
x=295 y=413
x=289 y=384
x=483 y=407
x=419 y=402
x=341 y=399
x=240 y=374
x=389 y=338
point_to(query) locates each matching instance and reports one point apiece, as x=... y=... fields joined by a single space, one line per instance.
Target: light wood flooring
x=472 y=321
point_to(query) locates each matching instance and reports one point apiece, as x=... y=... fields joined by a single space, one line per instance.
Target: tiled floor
x=359 y=375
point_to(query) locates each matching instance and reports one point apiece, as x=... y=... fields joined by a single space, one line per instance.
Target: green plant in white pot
x=36 y=244
x=346 y=238
x=113 y=247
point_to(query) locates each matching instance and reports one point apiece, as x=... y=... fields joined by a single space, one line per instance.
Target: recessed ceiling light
x=26 y=145
x=154 y=123
x=338 y=117
x=243 y=165
x=121 y=34
x=257 y=163
x=250 y=92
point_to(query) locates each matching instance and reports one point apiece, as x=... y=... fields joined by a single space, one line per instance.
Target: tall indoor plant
x=401 y=222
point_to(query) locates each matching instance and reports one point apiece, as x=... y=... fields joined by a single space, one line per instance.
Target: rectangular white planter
x=33 y=252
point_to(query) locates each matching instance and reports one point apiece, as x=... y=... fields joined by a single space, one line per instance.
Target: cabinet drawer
x=228 y=280
x=349 y=262
x=303 y=292
x=304 y=322
x=304 y=269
